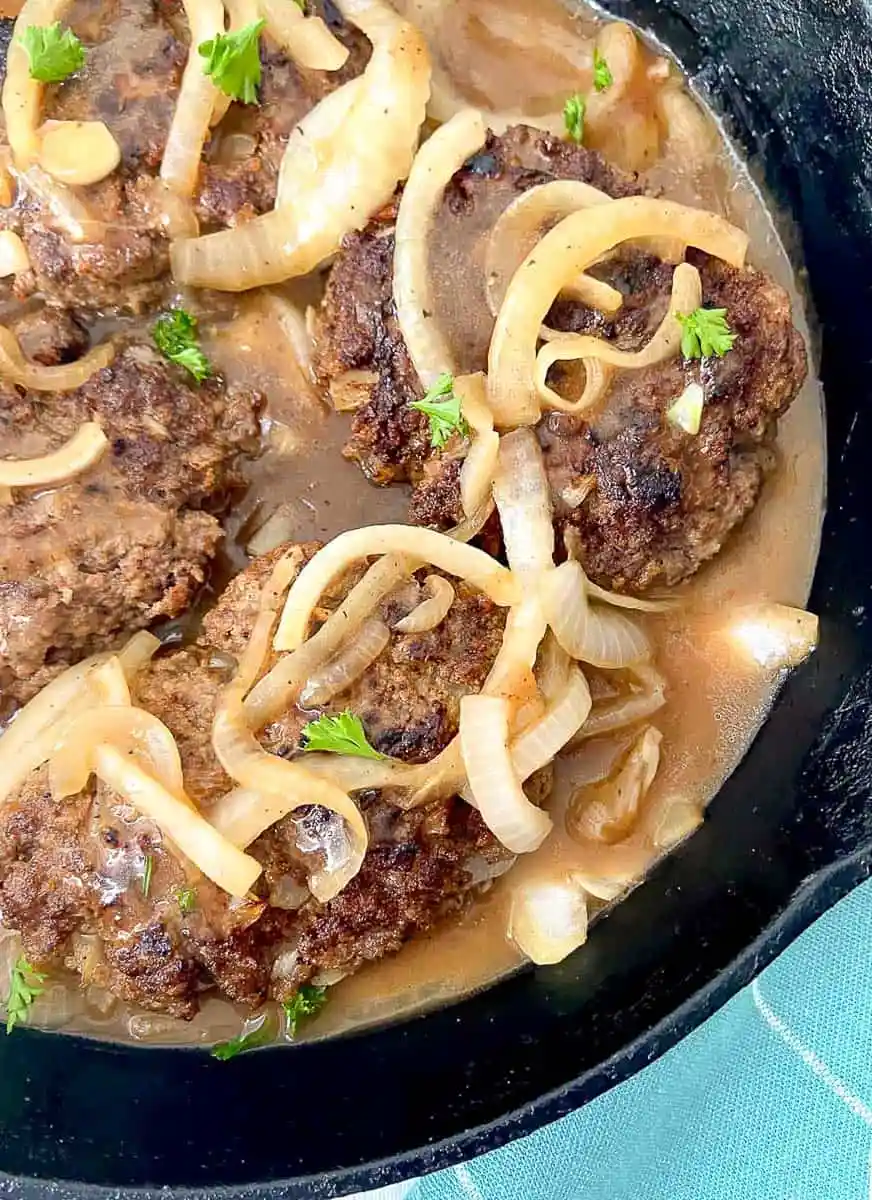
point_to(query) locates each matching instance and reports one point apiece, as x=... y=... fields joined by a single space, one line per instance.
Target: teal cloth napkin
x=771 y=1099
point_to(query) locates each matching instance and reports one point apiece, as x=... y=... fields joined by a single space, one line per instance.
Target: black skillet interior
x=789 y=834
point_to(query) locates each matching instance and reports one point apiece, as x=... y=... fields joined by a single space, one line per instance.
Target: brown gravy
x=716 y=699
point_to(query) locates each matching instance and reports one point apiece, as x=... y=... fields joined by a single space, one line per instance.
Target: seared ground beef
x=136 y=53
x=129 y=540
x=76 y=868
x=662 y=502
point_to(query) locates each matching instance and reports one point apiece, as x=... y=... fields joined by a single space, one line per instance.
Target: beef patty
x=662 y=502
x=71 y=874
x=128 y=541
x=136 y=53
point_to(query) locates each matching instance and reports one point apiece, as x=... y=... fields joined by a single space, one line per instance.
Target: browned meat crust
x=128 y=541
x=663 y=502
x=76 y=869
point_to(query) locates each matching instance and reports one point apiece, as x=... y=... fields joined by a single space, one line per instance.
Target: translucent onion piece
x=562 y=254
x=22 y=96
x=665 y=343
x=603 y=887
x=306 y=40
x=541 y=742
x=138 y=652
x=310 y=146
x=679 y=820
x=195 y=102
x=493 y=781
x=442 y=551
x=552 y=668
x=370 y=152
x=30 y=738
x=63 y=378
x=525 y=628
x=607 y=813
x=548 y=917
x=477 y=472
x=519 y=228
x=278 y=689
x=636 y=603
x=78 y=152
x=132 y=731
x=523 y=498
x=434 y=165
x=110 y=682
x=597 y=378
x=647 y=699
x=68 y=211
x=775 y=636
x=197 y=840
x=470 y=527
x=471 y=390
x=439 y=778
x=14 y=258
x=432 y=610
x=348 y=666
x=292 y=325
x=85 y=447
x=598 y=636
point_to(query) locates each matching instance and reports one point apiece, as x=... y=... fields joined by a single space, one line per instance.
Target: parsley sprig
x=339 y=735
x=259 y=1034
x=308 y=1001
x=54 y=52
x=147 y=872
x=233 y=62
x=186 y=898
x=175 y=335
x=705 y=332
x=442 y=407
x=573 y=117
x=602 y=75
x=24 y=987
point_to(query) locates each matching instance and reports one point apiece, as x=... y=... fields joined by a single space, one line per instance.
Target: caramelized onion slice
x=370 y=152
x=109 y=682
x=348 y=665
x=434 y=165
x=306 y=40
x=665 y=343
x=432 y=610
x=567 y=250
x=647 y=697
x=199 y=841
x=590 y=634
x=493 y=781
x=86 y=447
x=279 y=688
x=134 y=732
x=310 y=146
x=519 y=228
x=444 y=552
x=523 y=498
x=63 y=378
x=22 y=95
x=541 y=742
x=195 y=103
x=548 y=917
x=78 y=152
x=608 y=811
x=138 y=652
x=525 y=628
x=14 y=259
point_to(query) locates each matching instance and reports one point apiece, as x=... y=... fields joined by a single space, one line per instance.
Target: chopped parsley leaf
x=442 y=408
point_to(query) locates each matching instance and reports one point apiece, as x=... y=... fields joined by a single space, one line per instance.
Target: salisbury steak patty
x=128 y=541
x=136 y=53
x=76 y=869
x=661 y=502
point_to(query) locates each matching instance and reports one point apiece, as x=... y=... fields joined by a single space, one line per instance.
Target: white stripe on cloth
x=816 y=1064
x=467 y=1183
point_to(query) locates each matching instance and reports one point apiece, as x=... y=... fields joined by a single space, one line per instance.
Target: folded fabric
x=771 y=1099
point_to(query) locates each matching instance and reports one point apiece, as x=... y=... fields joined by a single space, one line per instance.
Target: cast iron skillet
x=788 y=835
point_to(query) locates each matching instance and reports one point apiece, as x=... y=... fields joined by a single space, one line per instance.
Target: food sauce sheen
x=716 y=698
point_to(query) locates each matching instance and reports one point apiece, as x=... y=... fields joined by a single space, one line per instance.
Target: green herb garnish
x=705 y=332
x=186 y=898
x=442 y=408
x=233 y=62
x=261 y=1035
x=339 y=735
x=308 y=1001
x=147 y=874
x=23 y=990
x=54 y=52
x=175 y=335
x=573 y=117
x=602 y=76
